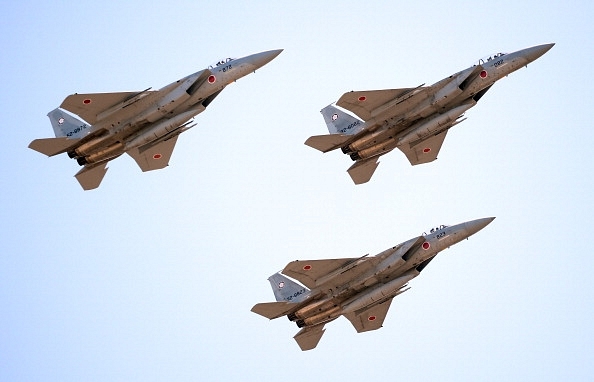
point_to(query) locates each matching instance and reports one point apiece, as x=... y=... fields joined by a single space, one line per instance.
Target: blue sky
x=152 y=276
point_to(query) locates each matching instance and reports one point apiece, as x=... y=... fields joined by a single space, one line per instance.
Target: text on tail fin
x=286 y=289
x=340 y=122
x=65 y=125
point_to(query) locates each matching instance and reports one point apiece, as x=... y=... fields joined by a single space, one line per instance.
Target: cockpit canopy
x=433 y=230
x=221 y=62
x=488 y=58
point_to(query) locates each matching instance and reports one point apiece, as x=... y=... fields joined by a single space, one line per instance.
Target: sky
x=152 y=276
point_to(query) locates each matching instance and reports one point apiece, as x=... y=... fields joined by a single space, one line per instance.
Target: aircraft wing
x=330 y=272
x=308 y=272
x=88 y=106
x=154 y=157
x=425 y=151
x=370 y=318
x=363 y=103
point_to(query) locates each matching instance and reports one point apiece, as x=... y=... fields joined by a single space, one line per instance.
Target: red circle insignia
x=306 y=267
x=362 y=98
x=484 y=74
x=371 y=318
x=86 y=101
x=212 y=79
x=426 y=245
x=157 y=156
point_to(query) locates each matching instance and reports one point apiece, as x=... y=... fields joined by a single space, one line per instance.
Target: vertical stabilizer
x=66 y=125
x=286 y=289
x=340 y=122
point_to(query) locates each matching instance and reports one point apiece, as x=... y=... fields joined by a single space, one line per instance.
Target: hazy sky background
x=152 y=276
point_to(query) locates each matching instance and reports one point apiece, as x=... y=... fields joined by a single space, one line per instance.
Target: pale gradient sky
x=152 y=276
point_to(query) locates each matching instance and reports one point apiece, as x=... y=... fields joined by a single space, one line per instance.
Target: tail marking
x=65 y=125
x=340 y=122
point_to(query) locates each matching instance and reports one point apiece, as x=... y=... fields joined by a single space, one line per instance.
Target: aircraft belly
x=374 y=138
x=363 y=296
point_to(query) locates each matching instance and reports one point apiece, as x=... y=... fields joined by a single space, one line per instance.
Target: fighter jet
x=144 y=124
x=361 y=289
x=414 y=120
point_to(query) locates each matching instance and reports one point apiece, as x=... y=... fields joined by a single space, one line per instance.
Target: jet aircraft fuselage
x=361 y=289
x=143 y=124
x=414 y=120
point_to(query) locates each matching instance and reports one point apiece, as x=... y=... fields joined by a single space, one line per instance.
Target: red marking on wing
x=306 y=267
x=426 y=245
x=157 y=156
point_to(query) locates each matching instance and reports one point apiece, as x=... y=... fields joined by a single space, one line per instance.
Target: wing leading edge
x=365 y=103
x=89 y=106
x=308 y=272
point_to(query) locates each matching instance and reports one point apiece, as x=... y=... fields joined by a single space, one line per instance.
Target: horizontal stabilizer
x=309 y=337
x=363 y=170
x=272 y=310
x=90 y=177
x=53 y=146
x=326 y=143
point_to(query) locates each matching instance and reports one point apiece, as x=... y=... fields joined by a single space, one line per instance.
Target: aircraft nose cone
x=535 y=52
x=474 y=226
x=263 y=58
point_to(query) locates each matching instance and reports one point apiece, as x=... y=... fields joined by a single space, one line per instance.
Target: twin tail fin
x=285 y=289
x=340 y=122
x=341 y=125
x=65 y=125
